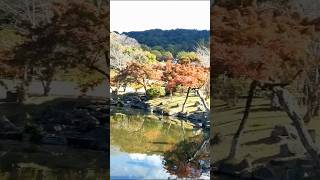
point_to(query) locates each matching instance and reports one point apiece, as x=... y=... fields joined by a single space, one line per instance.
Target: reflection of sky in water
x=136 y=166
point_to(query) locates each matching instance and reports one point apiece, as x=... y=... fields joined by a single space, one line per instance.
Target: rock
x=294 y=174
x=197 y=103
x=54 y=140
x=57 y=128
x=198 y=116
x=11 y=135
x=99 y=135
x=235 y=168
x=7 y=126
x=139 y=105
x=285 y=150
x=12 y=96
x=81 y=142
x=131 y=98
x=88 y=123
x=265 y=173
x=181 y=115
x=279 y=131
x=8 y=130
x=287 y=130
x=290 y=147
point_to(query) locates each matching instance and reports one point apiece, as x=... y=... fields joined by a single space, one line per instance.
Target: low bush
x=155 y=92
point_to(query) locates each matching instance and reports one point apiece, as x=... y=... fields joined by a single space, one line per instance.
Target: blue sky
x=143 y=15
x=136 y=166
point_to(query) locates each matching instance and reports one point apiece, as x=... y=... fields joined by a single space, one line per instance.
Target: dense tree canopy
x=263 y=44
x=170 y=40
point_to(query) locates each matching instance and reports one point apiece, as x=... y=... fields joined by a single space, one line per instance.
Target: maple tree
x=191 y=76
x=82 y=34
x=268 y=46
x=75 y=36
x=140 y=73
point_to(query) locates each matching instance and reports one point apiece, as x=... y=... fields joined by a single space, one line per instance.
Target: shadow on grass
x=263 y=109
x=268 y=140
x=225 y=123
x=249 y=131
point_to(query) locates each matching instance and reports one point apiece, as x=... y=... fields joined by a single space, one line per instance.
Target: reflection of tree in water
x=20 y=161
x=138 y=133
x=184 y=160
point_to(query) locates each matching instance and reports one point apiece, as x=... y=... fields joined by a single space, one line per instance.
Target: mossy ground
x=174 y=103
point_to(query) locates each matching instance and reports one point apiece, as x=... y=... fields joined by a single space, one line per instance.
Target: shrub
x=155 y=92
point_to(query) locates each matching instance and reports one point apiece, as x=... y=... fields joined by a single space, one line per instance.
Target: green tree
x=187 y=57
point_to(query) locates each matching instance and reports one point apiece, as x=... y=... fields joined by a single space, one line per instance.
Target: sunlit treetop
x=264 y=44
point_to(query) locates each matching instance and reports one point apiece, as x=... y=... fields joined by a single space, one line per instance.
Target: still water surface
x=146 y=146
x=24 y=161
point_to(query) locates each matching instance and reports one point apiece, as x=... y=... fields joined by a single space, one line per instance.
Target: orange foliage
x=261 y=43
x=187 y=75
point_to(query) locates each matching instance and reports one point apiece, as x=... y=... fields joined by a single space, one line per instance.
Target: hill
x=171 y=40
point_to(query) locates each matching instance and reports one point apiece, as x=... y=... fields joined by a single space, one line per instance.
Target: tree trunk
x=203 y=146
x=125 y=88
x=308 y=115
x=46 y=87
x=144 y=84
x=115 y=92
x=275 y=105
x=185 y=101
x=145 y=89
x=22 y=89
x=235 y=141
x=317 y=108
x=203 y=100
x=291 y=107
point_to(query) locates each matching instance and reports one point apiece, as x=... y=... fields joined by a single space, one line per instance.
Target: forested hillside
x=171 y=40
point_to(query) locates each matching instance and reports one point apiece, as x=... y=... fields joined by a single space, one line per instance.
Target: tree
x=190 y=76
x=32 y=12
x=125 y=50
x=140 y=73
x=203 y=53
x=82 y=34
x=167 y=56
x=158 y=54
x=311 y=86
x=267 y=46
x=187 y=57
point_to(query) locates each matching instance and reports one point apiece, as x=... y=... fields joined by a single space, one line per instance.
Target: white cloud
x=136 y=165
x=144 y=15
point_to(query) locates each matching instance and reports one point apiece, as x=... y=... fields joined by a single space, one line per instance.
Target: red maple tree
x=267 y=45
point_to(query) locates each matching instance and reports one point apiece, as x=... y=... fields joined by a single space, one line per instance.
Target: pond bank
x=167 y=106
x=76 y=122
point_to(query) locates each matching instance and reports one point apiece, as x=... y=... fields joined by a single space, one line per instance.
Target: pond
x=145 y=146
x=20 y=160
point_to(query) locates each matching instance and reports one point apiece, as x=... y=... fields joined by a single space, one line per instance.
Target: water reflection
x=145 y=146
x=136 y=166
x=22 y=161
x=188 y=158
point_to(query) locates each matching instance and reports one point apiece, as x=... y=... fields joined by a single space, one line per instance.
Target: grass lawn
x=174 y=103
x=254 y=141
